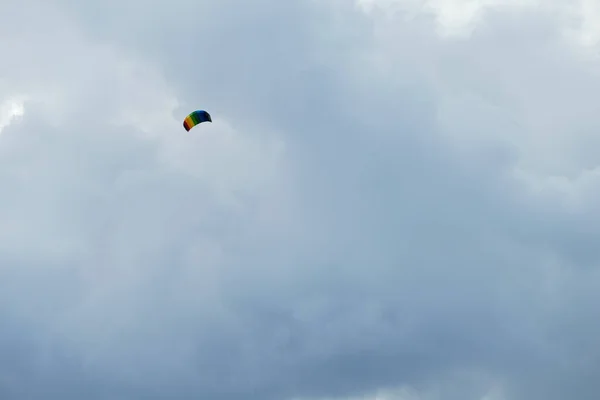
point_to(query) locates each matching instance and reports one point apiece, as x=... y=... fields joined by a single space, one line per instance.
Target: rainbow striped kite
x=195 y=118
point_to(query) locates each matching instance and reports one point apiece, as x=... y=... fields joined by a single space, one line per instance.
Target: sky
x=397 y=200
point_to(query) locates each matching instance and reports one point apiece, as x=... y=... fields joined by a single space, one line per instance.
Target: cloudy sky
x=397 y=200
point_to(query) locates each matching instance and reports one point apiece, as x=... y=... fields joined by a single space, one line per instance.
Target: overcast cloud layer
x=397 y=200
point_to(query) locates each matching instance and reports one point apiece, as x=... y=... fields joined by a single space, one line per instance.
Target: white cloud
x=9 y=111
x=454 y=18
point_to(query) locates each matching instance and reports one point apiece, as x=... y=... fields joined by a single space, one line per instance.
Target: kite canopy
x=195 y=118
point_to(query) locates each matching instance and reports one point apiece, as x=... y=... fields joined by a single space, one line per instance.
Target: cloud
x=395 y=201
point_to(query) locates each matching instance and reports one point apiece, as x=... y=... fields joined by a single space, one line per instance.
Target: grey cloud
x=373 y=256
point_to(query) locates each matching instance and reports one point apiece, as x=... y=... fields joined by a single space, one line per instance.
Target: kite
x=195 y=118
